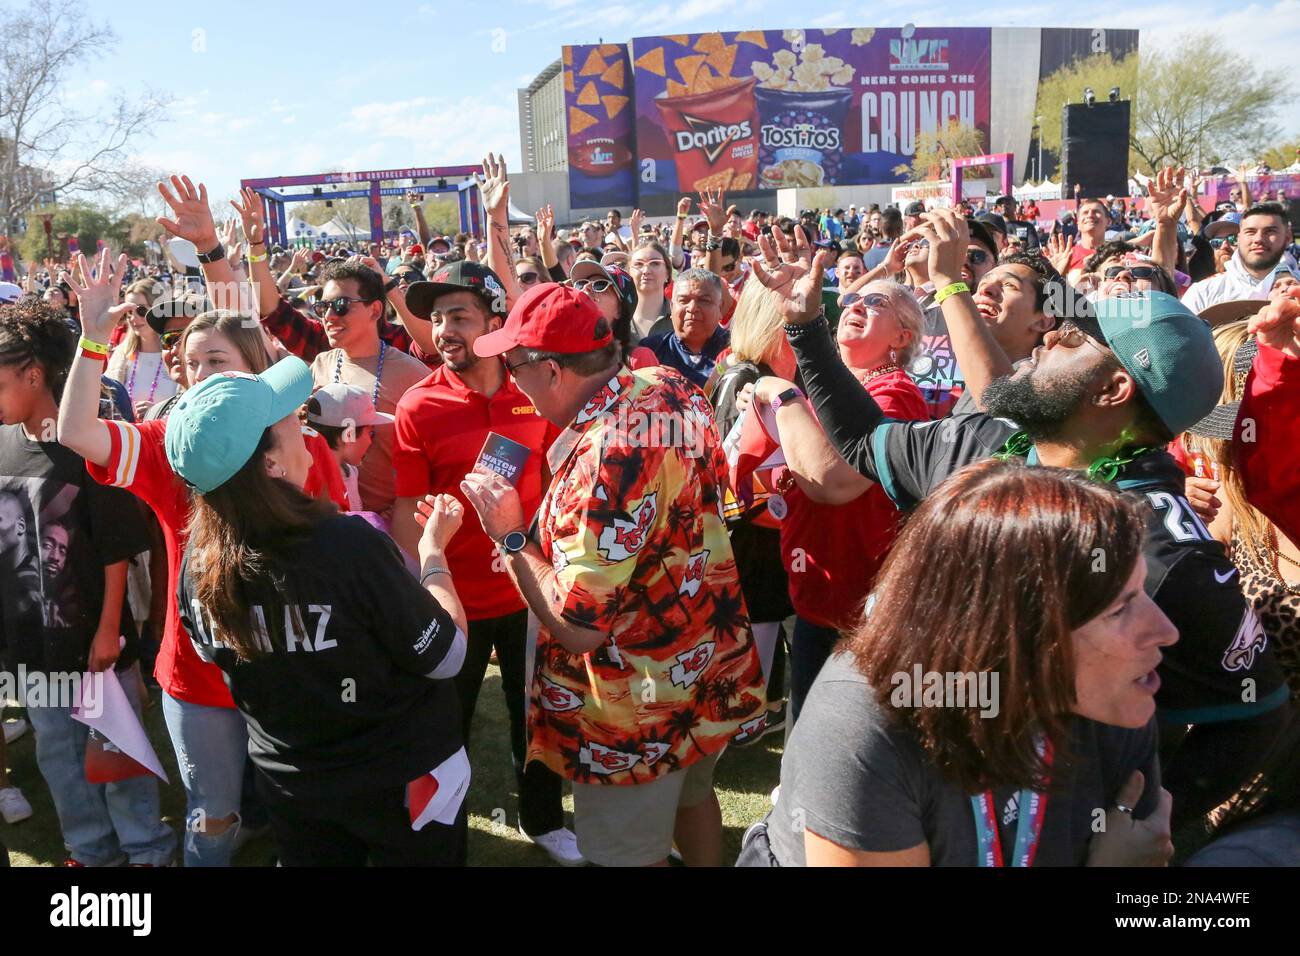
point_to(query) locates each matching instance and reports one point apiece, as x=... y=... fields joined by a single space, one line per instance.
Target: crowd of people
x=997 y=524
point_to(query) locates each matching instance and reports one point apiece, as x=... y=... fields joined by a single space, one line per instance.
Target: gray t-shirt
x=857 y=777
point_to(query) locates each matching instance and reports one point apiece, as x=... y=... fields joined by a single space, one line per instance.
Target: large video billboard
x=767 y=109
x=598 y=114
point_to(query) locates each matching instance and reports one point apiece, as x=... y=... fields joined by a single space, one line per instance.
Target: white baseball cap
x=339 y=405
x=10 y=292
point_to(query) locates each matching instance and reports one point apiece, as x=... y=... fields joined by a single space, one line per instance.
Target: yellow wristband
x=253 y=258
x=950 y=290
x=97 y=347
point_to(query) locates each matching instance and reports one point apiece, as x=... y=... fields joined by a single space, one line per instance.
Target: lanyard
x=130 y=382
x=379 y=371
x=1029 y=827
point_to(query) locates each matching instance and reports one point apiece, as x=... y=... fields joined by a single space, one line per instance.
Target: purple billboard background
x=598 y=114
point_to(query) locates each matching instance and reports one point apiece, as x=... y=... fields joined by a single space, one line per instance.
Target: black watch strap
x=216 y=255
x=391 y=284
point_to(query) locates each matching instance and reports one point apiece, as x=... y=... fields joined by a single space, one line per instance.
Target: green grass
x=744 y=780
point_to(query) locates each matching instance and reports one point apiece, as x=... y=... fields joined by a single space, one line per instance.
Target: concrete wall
x=1013 y=79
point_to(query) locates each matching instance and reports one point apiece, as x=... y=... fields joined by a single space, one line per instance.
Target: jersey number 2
x=1181 y=521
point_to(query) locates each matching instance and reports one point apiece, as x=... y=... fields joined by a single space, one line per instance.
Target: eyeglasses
x=872 y=300
x=729 y=266
x=528 y=278
x=339 y=306
x=591 y=285
x=1230 y=240
x=1073 y=337
x=511 y=368
x=976 y=257
x=141 y=310
x=171 y=339
x=1136 y=272
x=406 y=278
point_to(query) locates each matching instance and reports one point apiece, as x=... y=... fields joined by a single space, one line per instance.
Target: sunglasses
x=141 y=310
x=1136 y=272
x=592 y=285
x=1218 y=243
x=528 y=278
x=171 y=339
x=406 y=278
x=976 y=257
x=339 y=306
x=872 y=300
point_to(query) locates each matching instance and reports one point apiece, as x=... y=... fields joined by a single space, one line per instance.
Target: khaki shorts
x=632 y=825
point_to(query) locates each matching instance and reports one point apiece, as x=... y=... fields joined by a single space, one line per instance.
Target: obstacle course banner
x=598 y=112
x=767 y=109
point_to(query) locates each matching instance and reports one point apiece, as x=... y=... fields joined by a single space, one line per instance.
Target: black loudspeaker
x=1094 y=149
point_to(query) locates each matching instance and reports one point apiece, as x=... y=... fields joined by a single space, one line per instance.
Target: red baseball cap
x=550 y=318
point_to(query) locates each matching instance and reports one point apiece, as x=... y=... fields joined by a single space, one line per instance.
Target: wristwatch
x=391 y=284
x=514 y=542
x=216 y=255
x=789 y=395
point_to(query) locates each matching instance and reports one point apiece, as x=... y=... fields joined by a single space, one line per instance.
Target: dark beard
x=1040 y=409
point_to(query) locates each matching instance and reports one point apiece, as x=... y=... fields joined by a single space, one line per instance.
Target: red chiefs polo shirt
x=441 y=425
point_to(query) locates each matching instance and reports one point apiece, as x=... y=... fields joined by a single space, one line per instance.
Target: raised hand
x=301 y=260
x=949 y=236
x=1167 y=194
x=440 y=517
x=637 y=218
x=193 y=217
x=228 y=236
x=684 y=207
x=494 y=184
x=99 y=293
x=1059 y=250
x=800 y=301
x=250 y=215
x=414 y=199
x=782 y=260
x=896 y=259
x=546 y=223
x=1277 y=325
x=714 y=209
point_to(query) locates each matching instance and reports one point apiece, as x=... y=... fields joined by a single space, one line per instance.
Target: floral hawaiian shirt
x=632 y=525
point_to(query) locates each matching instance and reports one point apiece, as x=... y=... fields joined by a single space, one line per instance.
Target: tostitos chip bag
x=801 y=136
x=714 y=137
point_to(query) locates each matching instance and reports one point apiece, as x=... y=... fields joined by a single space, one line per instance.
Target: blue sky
x=274 y=88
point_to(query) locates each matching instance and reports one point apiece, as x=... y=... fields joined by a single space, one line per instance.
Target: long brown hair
x=992 y=573
x=245 y=334
x=242 y=532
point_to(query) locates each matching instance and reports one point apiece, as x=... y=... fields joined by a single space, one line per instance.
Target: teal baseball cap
x=1168 y=349
x=217 y=425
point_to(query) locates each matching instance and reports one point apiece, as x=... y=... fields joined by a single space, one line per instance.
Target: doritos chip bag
x=714 y=136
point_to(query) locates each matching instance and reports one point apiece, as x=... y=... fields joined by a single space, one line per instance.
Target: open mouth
x=1149 y=682
x=987 y=310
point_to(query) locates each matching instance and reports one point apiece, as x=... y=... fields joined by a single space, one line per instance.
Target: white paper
x=116 y=719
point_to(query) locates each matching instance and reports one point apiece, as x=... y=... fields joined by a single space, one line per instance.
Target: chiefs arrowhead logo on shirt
x=1248 y=641
x=600 y=403
x=605 y=760
x=621 y=539
x=558 y=699
x=653 y=752
x=694 y=574
x=690 y=664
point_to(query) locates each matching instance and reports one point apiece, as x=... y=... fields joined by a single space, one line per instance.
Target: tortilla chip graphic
x=688 y=66
x=652 y=62
x=678 y=89
x=681 y=38
x=742 y=180
x=710 y=42
x=589 y=96
x=568 y=56
x=568 y=81
x=723 y=59
x=610 y=49
x=595 y=64
x=756 y=37
x=614 y=75
x=613 y=105
x=719 y=180
x=580 y=120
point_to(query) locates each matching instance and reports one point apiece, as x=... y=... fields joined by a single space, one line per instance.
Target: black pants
x=810 y=647
x=540 y=789
x=373 y=826
x=1204 y=766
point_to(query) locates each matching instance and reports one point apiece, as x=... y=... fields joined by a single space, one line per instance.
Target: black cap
x=993 y=221
x=914 y=208
x=459 y=276
x=180 y=303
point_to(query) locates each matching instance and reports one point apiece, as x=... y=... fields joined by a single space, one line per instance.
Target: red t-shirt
x=138 y=462
x=833 y=552
x=441 y=426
